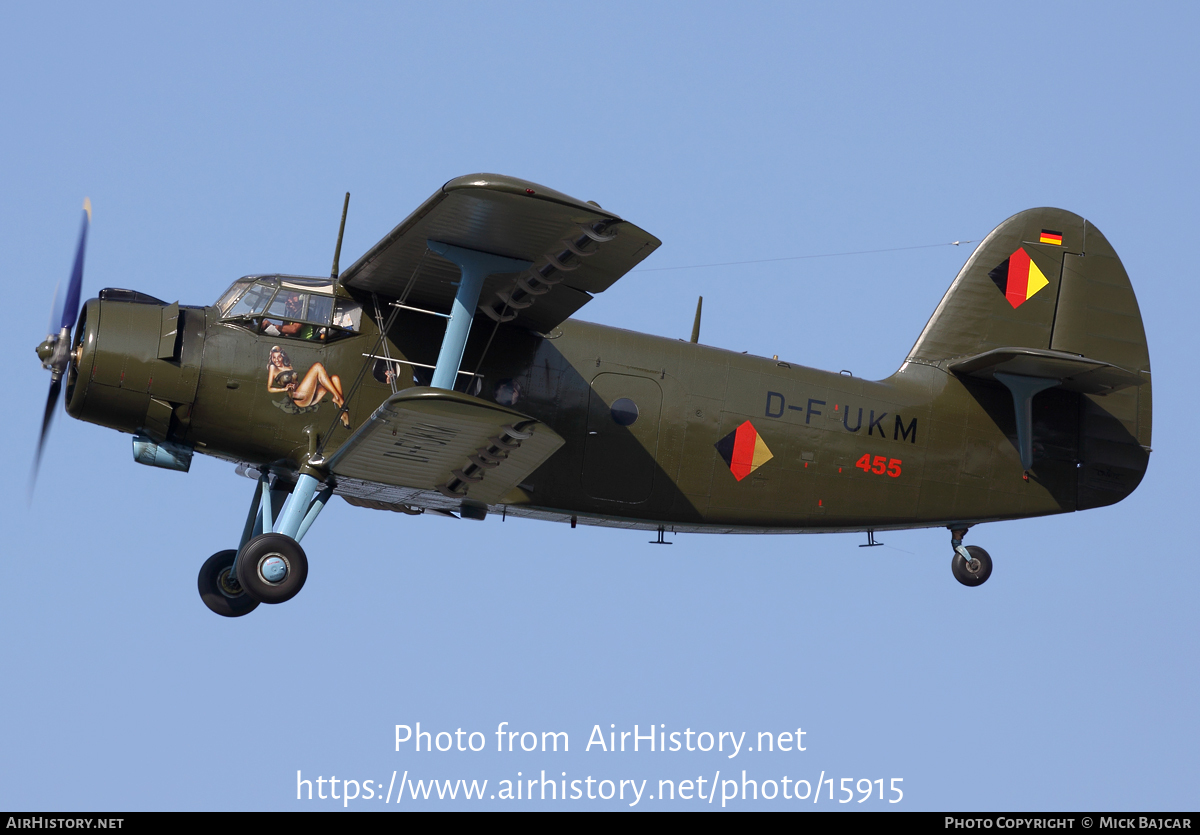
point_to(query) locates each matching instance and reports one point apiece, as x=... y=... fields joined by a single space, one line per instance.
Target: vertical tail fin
x=1047 y=283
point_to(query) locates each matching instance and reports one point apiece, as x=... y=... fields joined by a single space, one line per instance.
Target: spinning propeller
x=55 y=350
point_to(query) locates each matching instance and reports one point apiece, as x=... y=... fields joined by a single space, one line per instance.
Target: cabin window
x=624 y=411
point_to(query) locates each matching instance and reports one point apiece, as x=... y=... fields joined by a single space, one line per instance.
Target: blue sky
x=217 y=141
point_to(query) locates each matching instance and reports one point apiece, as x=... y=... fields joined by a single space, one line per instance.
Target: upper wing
x=577 y=249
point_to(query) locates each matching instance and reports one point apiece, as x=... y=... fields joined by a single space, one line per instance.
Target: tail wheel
x=272 y=568
x=220 y=590
x=974 y=572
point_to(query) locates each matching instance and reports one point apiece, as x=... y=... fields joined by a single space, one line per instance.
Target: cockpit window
x=348 y=314
x=319 y=308
x=300 y=308
x=288 y=304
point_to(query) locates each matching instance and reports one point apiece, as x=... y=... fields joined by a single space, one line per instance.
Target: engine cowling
x=135 y=365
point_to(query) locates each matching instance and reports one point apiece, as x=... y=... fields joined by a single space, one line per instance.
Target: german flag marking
x=1049 y=237
x=743 y=450
x=1018 y=278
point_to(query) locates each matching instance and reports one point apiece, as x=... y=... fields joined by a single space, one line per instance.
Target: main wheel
x=272 y=568
x=221 y=591
x=973 y=573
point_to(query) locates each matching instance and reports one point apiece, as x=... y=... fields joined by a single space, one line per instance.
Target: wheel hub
x=273 y=569
x=228 y=584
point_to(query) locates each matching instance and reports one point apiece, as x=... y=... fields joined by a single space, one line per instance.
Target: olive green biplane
x=443 y=373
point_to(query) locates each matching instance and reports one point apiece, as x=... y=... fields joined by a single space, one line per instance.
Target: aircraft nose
x=137 y=365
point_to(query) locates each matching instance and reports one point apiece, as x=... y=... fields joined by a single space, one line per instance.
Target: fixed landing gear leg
x=971 y=565
x=217 y=582
x=272 y=566
x=269 y=566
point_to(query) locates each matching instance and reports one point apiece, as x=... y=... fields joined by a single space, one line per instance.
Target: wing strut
x=475 y=267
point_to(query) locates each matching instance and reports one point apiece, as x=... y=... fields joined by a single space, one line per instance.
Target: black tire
x=975 y=572
x=259 y=553
x=226 y=598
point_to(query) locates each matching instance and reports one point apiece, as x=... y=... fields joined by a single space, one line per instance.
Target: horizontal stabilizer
x=446 y=441
x=1074 y=373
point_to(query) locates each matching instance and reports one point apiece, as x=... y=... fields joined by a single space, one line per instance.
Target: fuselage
x=826 y=451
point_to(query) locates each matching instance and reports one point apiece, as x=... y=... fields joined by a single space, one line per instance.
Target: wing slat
x=516 y=219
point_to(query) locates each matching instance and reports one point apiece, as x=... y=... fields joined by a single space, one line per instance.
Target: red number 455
x=879 y=465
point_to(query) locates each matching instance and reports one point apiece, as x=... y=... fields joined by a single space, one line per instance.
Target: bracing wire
x=383 y=332
x=797 y=257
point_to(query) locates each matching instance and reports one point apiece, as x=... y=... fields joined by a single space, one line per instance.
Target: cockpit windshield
x=251 y=302
x=280 y=305
x=231 y=295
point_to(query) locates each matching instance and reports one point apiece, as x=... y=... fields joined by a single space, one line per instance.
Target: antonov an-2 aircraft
x=442 y=373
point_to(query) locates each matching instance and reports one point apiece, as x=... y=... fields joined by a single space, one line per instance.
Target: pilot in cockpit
x=293 y=307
